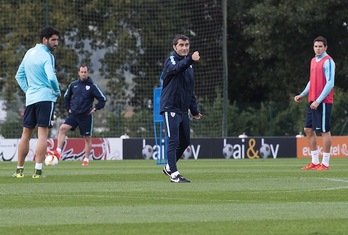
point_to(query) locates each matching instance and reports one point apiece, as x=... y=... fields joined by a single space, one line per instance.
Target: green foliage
x=340 y=113
x=140 y=124
x=269 y=50
x=11 y=128
x=273 y=42
x=114 y=125
x=210 y=123
x=277 y=119
x=289 y=120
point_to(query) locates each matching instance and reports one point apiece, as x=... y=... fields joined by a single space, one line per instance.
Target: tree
x=124 y=43
x=278 y=38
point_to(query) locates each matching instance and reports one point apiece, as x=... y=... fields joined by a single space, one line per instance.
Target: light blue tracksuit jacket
x=37 y=77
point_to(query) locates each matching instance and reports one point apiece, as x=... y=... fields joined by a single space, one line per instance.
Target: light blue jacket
x=37 y=77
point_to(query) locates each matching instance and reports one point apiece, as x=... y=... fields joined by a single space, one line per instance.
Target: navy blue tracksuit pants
x=178 y=134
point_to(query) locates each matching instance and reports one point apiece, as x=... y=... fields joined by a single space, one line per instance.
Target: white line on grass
x=336 y=180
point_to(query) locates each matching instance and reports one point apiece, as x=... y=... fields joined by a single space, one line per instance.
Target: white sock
x=20 y=167
x=59 y=150
x=315 y=157
x=167 y=167
x=38 y=166
x=86 y=159
x=174 y=174
x=326 y=159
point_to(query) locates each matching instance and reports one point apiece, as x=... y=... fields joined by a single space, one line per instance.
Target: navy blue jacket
x=178 y=85
x=80 y=95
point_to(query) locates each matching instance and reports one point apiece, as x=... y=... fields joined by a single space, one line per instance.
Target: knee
x=88 y=140
x=308 y=131
x=64 y=128
x=26 y=134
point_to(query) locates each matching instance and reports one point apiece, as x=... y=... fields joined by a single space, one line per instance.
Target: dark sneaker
x=179 y=179
x=166 y=172
x=38 y=174
x=19 y=173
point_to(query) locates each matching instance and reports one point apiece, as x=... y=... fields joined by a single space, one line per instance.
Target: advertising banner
x=213 y=147
x=339 y=148
x=200 y=148
x=73 y=149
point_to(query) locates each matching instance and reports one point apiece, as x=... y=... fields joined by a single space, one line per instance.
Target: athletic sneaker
x=311 y=166
x=84 y=163
x=19 y=173
x=54 y=152
x=166 y=172
x=322 y=167
x=38 y=174
x=179 y=179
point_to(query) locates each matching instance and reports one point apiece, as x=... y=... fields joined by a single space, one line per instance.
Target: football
x=51 y=160
x=265 y=151
x=227 y=151
x=147 y=152
x=187 y=153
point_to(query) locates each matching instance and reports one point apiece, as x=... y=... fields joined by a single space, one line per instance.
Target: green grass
x=271 y=196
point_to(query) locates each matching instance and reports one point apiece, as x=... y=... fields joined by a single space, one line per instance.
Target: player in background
x=320 y=101
x=78 y=101
x=36 y=76
x=177 y=99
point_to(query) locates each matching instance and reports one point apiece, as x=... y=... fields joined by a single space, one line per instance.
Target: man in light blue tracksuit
x=177 y=99
x=36 y=76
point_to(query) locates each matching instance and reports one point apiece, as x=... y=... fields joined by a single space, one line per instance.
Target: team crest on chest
x=88 y=87
x=172 y=114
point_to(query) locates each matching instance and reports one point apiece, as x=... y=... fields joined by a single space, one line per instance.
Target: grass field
x=264 y=196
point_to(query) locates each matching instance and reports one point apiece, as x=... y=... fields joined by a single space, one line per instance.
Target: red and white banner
x=73 y=149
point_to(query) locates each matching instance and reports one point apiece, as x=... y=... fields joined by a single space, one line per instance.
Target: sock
x=38 y=166
x=86 y=159
x=174 y=174
x=326 y=159
x=167 y=167
x=59 y=150
x=20 y=169
x=315 y=157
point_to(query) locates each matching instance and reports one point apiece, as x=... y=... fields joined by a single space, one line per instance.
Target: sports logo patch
x=172 y=114
x=172 y=60
x=87 y=87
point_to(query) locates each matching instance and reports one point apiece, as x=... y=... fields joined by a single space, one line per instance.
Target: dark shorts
x=85 y=123
x=40 y=114
x=319 y=119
